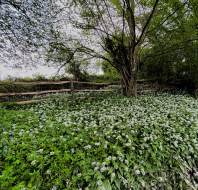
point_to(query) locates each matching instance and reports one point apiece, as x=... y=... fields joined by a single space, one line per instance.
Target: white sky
x=5 y=72
x=45 y=71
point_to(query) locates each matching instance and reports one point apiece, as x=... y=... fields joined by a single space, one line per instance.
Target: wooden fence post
x=72 y=87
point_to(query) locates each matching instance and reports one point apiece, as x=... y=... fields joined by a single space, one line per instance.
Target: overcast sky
x=46 y=71
x=5 y=72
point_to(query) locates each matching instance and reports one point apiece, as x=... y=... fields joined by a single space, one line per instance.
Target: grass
x=100 y=141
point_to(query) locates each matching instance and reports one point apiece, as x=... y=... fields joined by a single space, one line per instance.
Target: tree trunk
x=129 y=76
x=129 y=86
x=129 y=83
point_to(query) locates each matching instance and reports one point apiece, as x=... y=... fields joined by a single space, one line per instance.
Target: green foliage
x=179 y=67
x=173 y=52
x=40 y=77
x=118 y=5
x=77 y=72
x=109 y=71
x=25 y=79
x=8 y=105
x=100 y=141
x=103 y=78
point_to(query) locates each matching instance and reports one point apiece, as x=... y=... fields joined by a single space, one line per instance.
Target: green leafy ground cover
x=102 y=142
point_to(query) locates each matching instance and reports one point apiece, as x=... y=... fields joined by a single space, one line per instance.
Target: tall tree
x=124 y=28
x=121 y=32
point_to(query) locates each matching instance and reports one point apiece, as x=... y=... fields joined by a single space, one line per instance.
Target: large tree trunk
x=129 y=75
x=129 y=85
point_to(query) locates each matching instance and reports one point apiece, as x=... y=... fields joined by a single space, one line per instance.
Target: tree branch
x=67 y=61
x=171 y=48
x=131 y=20
x=147 y=23
x=170 y=15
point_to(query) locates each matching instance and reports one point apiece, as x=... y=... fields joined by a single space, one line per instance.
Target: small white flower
x=40 y=151
x=103 y=169
x=40 y=126
x=72 y=150
x=109 y=158
x=97 y=144
x=54 y=187
x=137 y=172
x=126 y=162
x=133 y=148
x=175 y=144
x=33 y=163
x=52 y=153
x=113 y=158
x=121 y=159
x=113 y=175
x=99 y=183
x=160 y=179
x=20 y=133
x=87 y=147
x=94 y=163
x=48 y=172
x=128 y=144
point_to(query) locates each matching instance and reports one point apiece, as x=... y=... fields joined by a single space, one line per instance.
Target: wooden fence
x=56 y=87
